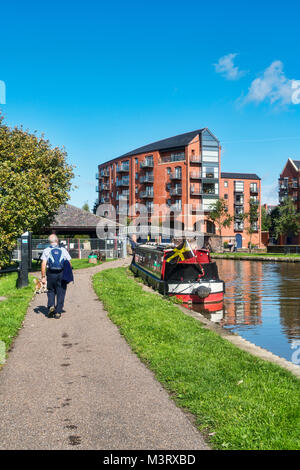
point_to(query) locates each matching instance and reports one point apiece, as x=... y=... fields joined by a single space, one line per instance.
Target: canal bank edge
x=255 y=258
x=235 y=339
x=244 y=344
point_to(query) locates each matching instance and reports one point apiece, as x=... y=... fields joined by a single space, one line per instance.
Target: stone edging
x=237 y=340
x=244 y=344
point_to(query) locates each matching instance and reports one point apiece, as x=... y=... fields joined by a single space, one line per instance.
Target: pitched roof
x=70 y=216
x=297 y=163
x=242 y=176
x=178 y=141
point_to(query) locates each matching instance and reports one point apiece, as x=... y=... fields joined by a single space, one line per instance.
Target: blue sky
x=102 y=78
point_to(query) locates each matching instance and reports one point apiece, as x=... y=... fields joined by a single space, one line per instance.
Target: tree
x=266 y=220
x=287 y=222
x=219 y=216
x=34 y=181
x=85 y=207
x=251 y=219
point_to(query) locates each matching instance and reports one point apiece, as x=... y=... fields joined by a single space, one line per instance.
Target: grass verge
x=13 y=309
x=238 y=400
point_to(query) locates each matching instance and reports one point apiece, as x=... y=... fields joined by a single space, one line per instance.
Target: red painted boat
x=188 y=274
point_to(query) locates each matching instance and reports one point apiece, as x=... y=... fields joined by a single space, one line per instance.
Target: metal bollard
x=23 y=269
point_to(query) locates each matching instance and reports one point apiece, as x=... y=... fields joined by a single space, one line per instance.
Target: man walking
x=53 y=260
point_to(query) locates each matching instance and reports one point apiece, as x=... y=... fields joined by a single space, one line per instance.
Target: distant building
x=240 y=190
x=289 y=186
x=179 y=171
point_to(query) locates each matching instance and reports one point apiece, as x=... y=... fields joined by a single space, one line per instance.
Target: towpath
x=75 y=383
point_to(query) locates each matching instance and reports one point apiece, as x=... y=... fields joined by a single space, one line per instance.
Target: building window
x=226 y=196
x=136 y=176
x=225 y=184
x=253 y=187
x=239 y=186
x=137 y=162
x=168 y=170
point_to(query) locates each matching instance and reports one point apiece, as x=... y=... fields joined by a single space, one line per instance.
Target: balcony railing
x=238 y=227
x=122 y=168
x=195 y=192
x=104 y=199
x=147 y=179
x=147 y=164
x=104 y=173
x=195 y=158
x=253 y=190
x=146 y=194
x=104 y=187
x=195 y=175
x=175 y=191
x=176 y=175
x=123 y=182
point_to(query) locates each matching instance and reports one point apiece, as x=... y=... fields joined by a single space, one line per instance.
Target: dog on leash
x=40 y=288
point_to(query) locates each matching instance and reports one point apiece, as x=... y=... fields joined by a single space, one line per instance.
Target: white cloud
x=227 y=69
x=270 y=193
x=272 y=86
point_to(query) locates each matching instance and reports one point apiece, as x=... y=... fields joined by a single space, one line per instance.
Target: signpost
x=26 y=260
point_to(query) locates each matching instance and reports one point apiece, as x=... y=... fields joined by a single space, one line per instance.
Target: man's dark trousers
x=56 y=287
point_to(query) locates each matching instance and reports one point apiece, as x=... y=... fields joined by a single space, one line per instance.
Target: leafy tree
x=85 y=207
x=288 y=220
x=219 y=215
x=34 y=181
x=251 y=219
x=266 y=220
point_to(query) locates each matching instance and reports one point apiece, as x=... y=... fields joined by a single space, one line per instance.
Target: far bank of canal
x=262 y=304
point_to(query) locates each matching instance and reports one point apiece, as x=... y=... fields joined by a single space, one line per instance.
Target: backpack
x=56 y=259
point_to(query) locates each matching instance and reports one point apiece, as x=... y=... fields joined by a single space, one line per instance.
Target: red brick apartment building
x=289 y=186
x=177 y=171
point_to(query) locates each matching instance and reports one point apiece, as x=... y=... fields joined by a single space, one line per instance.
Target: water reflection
x=262 y=303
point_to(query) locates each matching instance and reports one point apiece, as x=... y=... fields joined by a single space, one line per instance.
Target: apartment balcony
x=196 y=192
x=146 y=194
x=147 y=179
x=253 y=190
x=122 y=197
x=104 y=187
x=195 y=159
x=104 y=173
x=122 y=168
x=175 y=191
x=195 y=175
x=147 y=164
x=104 y=199
x=210 y=194
x=238 y=202
x=254 y=201
x=176 y=175
x=123 y=182
x=238 y=227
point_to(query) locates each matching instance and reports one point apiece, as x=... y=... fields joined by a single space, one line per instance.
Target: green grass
x=13 y=310
x=203 y=371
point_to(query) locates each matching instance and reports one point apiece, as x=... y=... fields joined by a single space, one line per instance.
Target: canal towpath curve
x=74 y=383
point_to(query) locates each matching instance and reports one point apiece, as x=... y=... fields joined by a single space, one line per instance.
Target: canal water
x=262 y=304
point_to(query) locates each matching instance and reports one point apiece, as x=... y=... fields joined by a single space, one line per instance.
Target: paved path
x=74 y=383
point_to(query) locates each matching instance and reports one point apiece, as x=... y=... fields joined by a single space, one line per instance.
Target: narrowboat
x=188 y=274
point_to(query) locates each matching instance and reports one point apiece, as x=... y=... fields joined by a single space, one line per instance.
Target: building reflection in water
x=262 y=303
